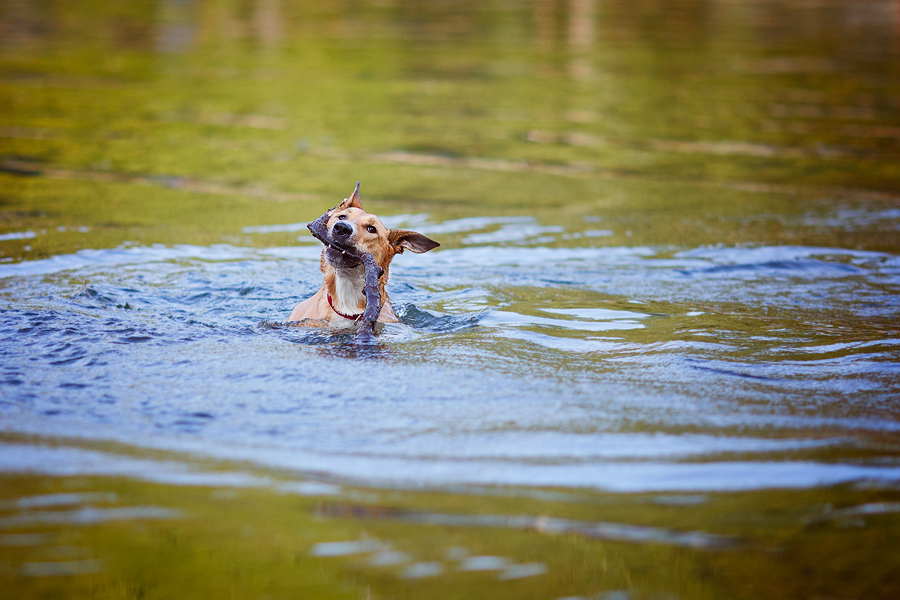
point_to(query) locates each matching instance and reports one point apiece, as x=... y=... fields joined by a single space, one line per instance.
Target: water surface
x=656 y=354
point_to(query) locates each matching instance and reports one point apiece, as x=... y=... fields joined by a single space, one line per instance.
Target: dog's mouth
x=341 y=257
x=337 y=254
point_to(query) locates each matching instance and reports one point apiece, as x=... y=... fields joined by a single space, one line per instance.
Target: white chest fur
x=349 y=284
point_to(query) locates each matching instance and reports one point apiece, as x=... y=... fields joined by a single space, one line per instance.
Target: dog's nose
x=342 y=230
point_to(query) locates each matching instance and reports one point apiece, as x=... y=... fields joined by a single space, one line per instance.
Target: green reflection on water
x=709 y=122
x=253 y=542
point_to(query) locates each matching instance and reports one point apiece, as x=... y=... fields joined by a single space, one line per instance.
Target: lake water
x=655 y=356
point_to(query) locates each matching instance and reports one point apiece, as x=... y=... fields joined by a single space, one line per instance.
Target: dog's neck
x=346 y=290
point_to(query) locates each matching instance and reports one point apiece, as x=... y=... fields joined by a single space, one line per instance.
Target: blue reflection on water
x=613 y=368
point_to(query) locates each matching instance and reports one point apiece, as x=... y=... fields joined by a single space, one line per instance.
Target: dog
x=341 y=300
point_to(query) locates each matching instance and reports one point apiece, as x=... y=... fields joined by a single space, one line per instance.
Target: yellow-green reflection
x=120 y=538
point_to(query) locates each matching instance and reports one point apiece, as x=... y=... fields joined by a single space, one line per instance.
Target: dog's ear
x=352 y=201
x=401 y=239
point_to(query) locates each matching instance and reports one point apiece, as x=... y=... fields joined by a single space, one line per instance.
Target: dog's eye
x=371 y=229
x=342 y=217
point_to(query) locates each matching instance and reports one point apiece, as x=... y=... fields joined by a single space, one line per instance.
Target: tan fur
x=345 y=285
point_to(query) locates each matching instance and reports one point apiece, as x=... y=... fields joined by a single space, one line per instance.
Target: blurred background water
x=655 y=356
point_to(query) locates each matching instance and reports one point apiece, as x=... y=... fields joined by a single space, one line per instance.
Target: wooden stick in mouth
x=366 y=333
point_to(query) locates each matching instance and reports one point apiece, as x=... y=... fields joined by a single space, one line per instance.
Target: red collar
x=339 y=313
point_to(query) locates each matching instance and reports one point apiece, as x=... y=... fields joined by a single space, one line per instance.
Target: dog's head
x=351 y=227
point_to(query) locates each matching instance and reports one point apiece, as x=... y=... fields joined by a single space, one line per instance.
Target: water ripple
x=638 y=361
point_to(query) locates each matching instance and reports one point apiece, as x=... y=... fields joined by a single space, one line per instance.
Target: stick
x=366 y=333
x=319 y=228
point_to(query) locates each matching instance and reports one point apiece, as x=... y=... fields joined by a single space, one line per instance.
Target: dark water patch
x=135 y=339
x=15 y=166
x=309 y=336
x=734 y=373
x=191 y=426
x=795 y=268
x=422 y=320
x=67 y=361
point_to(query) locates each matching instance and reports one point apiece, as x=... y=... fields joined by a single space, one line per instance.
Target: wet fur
x=344 y=275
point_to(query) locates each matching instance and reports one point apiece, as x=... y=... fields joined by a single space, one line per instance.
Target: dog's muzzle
x=338 y=252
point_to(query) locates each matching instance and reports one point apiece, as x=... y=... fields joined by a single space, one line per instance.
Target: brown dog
x=341 y=300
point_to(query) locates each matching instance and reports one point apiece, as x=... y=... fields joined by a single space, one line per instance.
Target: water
x=610 y=368
x=656 y=354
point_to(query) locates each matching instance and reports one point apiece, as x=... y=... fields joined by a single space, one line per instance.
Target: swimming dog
x=341 y=300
